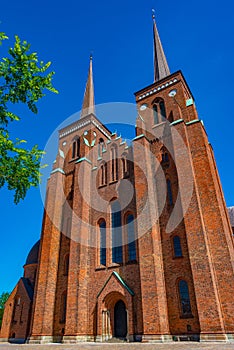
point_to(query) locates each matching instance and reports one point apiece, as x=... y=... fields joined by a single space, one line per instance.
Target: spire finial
x=161 y=69
x=88 y=102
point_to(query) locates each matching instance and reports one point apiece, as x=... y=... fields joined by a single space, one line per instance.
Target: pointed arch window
x=124 y=161
x=63 y=308
x=159 y=111
x=184 y=298
x=165 y=157
x=101 y=147
x=103 y=174
x=177 y=247
x=162 y=110
x=102 y=233
x=169 y=192
x=117 y=253
x=155 y=110
x=165 y=160
x=76 y=148
x=114 y=163
x=131 y=238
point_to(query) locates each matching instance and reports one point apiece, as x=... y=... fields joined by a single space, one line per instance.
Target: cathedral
x=136 y=241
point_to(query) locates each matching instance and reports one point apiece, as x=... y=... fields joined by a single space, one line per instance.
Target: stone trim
x=40 y=339
x=57 y=170
x=157 y=338
x=114 y=273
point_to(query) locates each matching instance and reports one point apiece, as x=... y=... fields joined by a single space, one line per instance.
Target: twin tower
x=136 y=242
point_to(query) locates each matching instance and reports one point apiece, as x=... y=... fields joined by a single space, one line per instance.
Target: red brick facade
x=176 y=279
x=18 y=308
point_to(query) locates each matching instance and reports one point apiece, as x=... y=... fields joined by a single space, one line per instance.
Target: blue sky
x=197 y=38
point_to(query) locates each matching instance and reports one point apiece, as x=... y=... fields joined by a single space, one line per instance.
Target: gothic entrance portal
x=120 y=320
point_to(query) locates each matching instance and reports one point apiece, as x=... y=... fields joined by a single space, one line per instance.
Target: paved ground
x=131 y=346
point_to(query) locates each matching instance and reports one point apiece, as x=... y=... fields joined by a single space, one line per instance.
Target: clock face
x=172 y=93
x=85 y=133
x=143 y=107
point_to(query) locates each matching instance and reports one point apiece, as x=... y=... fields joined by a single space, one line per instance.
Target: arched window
x=169 y=192
x=124 y=165
x=159 y=111
x=114 y=164
x=102 y=232
x=102 y=177
x=177 y=247
x=162 y=110
x=131 y=238
x=76 y=148
x=101 y=147
x=103 y=174
x=124 y=162
x=184 y=298
x=165 y=157
x=66 y=265
x=117 y=254
x=155 y=110
x=63 y=307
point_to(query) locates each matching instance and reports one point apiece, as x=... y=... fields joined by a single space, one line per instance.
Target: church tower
x=136 y=242
x=192 y=244
x=157 y=269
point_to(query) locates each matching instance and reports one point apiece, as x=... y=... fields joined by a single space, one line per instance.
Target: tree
x=3 y=298
x=23 y=79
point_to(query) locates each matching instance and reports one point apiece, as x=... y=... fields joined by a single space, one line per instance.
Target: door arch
x=120 y=320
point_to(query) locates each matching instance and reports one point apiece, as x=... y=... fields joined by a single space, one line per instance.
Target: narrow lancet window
x=63 y=308
x=177 y=247
x=169 y=192
x=101 y=147
x=76 y=148
x=155 y=111
x=131 y=238
x=162 y=110
x=159 y=111
x=117 y=253
x=114 y=164
x=184 y=298
x=102 y=232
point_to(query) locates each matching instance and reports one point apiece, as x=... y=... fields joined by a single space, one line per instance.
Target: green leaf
x=23 y=80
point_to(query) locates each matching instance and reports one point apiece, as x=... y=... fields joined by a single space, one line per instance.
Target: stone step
x=117 y=340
